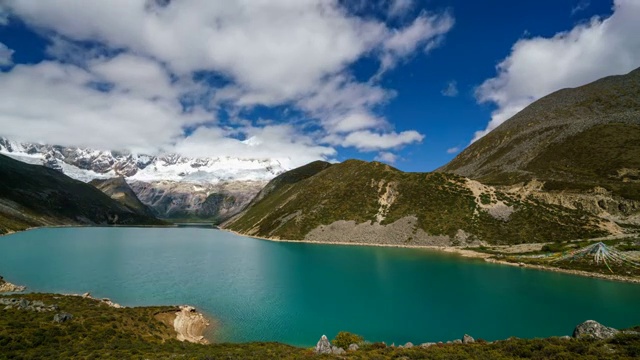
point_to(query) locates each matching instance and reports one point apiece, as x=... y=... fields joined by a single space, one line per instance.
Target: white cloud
x=123 y=74
x=451 y=90
x=387 y=157
x=6 y=55
x=426 y=31
x=354 y=121
x=581 y=6
x=4 y=16
x=134 y=74
x=282 y=142
x=453 y=150
x=539 y=66
x=370 y=141
x=398 y=8
x=60 y=104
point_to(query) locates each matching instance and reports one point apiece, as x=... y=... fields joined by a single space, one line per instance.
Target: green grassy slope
x=573 y=138
x=442 y=204
x=33 y=195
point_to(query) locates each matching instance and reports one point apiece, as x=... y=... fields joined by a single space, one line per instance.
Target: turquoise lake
x=294 y=292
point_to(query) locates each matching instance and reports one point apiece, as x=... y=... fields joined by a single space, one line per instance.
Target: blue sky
x=407 y=82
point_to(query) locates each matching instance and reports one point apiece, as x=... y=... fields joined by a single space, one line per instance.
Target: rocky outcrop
x=597 y=201
x=190 y=325
x=181 y=200
x=594 y=330
x=26 y=305
x=323 y=346
x=9 y=287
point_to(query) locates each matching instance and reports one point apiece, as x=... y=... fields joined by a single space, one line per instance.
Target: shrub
x=344 y=339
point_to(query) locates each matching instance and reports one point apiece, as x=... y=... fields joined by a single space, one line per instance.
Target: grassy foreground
x=101 y=332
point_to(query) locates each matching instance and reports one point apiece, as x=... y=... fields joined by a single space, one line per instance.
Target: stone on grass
x=323 y=346
x=594 y=330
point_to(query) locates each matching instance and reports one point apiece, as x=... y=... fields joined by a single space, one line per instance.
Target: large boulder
x=354 y=347
x=467 y=339
x=323 y=346
x=594 y=330
x=62 y=317
x=337 y=350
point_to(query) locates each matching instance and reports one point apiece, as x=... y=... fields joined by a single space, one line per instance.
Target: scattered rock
x=23 y=304
x=594 y=330
x=449 y=342
x=457 y=341
x=565 y=337
x=466 y=339
x=426 y=345
x=408 y=345
x=62 y=317
x=337 y=351
x=9 y=287
x=323 y=346
x=87 y=295
x=354 y=347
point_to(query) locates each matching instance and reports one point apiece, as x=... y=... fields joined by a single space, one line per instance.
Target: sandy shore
x=468 y=253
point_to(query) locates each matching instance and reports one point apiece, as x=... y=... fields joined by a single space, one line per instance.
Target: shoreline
x=463 y=252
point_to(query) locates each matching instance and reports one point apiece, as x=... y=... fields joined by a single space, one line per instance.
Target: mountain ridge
x=34 y=195
x=361 y=202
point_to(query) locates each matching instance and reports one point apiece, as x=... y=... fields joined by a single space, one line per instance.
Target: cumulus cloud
x=539 y=66
x=453 y=150
x=371 y=141
x=129 y=74
x=6 y=55
x=387 y=157
x=451 y=90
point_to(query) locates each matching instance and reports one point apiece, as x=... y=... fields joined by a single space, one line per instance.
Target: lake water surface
x=294 y=293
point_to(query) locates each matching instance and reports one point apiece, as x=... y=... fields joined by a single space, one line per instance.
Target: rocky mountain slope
x=183 y=201
x=173 y=186
x=581 y=146
x=33 y=195
x=119 y=190
x=362 y=202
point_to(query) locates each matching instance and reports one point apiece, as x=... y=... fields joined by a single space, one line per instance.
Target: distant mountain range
x=88 y=164
x=566 y=167
x=172 y=186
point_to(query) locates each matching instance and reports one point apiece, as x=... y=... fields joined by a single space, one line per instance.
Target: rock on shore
x=9 y=287
x=190 y=325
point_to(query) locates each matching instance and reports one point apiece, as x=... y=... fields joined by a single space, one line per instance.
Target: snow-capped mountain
x=173 y=186
x=87 y=164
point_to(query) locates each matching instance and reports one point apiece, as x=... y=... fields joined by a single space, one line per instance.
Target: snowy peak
x=88 y=164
